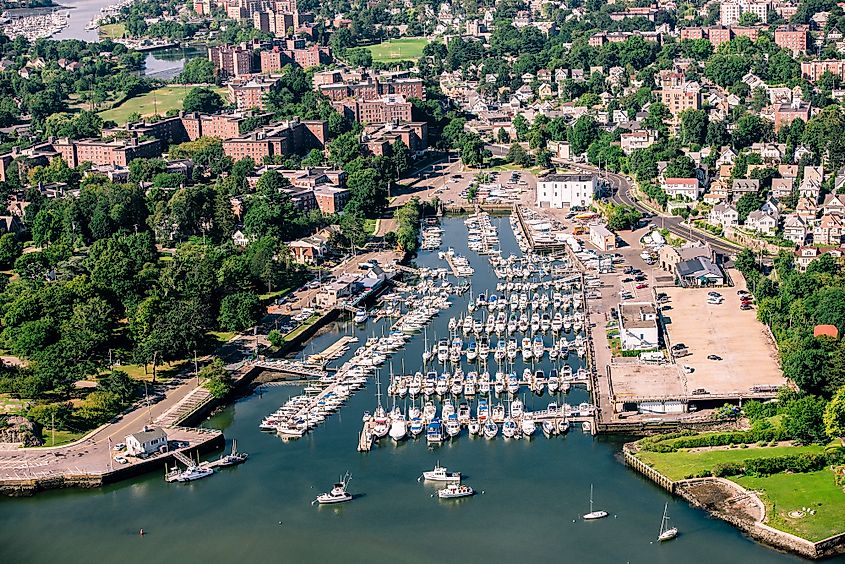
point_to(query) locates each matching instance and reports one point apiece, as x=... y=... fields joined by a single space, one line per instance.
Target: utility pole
x=196 y=367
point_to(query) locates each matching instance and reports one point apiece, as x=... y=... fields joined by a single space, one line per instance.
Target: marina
x=539 y=488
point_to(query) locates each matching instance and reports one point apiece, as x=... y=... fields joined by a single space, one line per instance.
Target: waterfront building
x=602 y=238
x=557 y=190
x=148 y=441
x=638 y=329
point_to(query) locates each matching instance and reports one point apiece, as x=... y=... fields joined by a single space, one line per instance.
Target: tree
x=204 y=100
x=726 y=69
x=472 y=148
x=368 y=192
x=680 y=167
x=198 y=70
x=623 y=217
x=361 y=57
x=751 y=128
x=805 y=367
x=503 y=136
x=119 y=383
x=216 y=379
x=834 y=415
x=521 y=126
x=517 y=155
x=584 y=131
x=239 y=311
x=803 y=419
x=10 y=250
x=344 y=148
x=694 y=126
x=748 y=203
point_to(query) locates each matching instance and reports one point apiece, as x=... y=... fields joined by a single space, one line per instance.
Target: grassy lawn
x=370 y=226
x=783 y=493
x=683 y=463
x=10 y=405
x=163 y=372
x=305 y=325
x=113 y=31
x=158 y=101
x=276 y=293
x=62 y=437
x=406 y=49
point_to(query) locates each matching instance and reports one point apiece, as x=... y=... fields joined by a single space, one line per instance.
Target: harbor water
x=531 y=492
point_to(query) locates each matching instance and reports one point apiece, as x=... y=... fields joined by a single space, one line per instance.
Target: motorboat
x=361 y=316
x=453 y=491
x=190 y=474
x=490 y=429
x=453 y=427
x=549 y=428
x=398 y=427
x=474 y=427
x=442 y=350
x=434 y=432
x=416 y=426
x=440 y=474
x=563 y=426
x=463 y=412
x=509 y=428
x=338 y=494
x=429 y=411
x=517 y=408
x=538 y=347
x=498 y=413
x=482 y=411
x=472 y=351
x=528 y=426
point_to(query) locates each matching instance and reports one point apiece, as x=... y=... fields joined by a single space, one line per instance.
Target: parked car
x=713 y=357
x=119 y=446
x=714 y=294
x=120 y=459
x=678 y=346
x=641 y=286
x=626 y=280
x=745 y=307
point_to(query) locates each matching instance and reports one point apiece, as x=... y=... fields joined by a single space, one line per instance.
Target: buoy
x=573 y=520
x=141 y=532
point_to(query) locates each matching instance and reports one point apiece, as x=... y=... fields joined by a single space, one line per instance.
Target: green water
x=534 y=491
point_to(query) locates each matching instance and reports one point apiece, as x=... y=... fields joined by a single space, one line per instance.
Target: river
x=163 y=63
x=533 y=493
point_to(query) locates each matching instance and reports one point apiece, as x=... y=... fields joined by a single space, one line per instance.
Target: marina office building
x=558 y=190
x=638 y=326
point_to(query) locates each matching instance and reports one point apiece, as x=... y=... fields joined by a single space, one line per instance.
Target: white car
x=121 y=460
x=119 y=447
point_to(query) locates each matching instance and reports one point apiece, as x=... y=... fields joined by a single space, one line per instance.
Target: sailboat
x=593 y=514
x=666 y=534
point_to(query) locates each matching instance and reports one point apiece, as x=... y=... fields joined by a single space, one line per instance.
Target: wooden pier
x=331 y=352
x=365 y=440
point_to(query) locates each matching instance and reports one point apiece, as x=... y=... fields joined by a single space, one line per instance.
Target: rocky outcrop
x=15 y=429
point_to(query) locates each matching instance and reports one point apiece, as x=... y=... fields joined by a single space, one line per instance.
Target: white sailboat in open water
x=666 y=533
x=594 y=514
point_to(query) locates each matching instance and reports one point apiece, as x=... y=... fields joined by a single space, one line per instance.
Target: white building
x=638 y=326
x=602 y=238
x=567 y=189
x=686 y=187
x=148 y=441
x=731 y=10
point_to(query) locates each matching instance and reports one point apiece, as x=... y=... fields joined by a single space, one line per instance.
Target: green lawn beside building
x=158 y=101
x=405 y=49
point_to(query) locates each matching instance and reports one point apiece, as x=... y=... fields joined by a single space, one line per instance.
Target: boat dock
x=332 y=352
x=365 y=440
x=310 y=371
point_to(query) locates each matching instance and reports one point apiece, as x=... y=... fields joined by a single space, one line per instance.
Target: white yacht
x=338 y=493
x=440 y=474
x=453 y=491
x=398 y=427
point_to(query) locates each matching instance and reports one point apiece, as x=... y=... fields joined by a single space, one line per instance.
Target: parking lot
x=748 y=356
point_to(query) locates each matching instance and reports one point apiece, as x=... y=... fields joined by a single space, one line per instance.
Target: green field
x=783 y=493
x=156 y=101
x=407 y=49
x=113 y=31
x=678 y=465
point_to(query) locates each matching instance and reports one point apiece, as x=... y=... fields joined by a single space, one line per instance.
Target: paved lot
x=749 y=357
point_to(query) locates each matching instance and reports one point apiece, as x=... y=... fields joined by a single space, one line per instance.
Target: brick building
x=284 y=138
x=379 y=137
x=792 y=37
x=390 y=108
x=232 y=60
x=374 y=88
x=248 y=94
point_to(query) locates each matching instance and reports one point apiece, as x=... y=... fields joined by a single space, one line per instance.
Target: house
x=557 y=190
x=727 y=156
x=686 y=187
x=834 y=204
x=602 y=238
x=829 y=230
x=639 y=139
x=724 y=215
x=762 y=222
x=669 y=257
x=782 y=187
x=239 y=239
x=742 y=186
x=805 y=255
x=807 y=209
x=699 y=271
x=810 y=189
x=795 y=229
x=638 y=326
x=146 y=442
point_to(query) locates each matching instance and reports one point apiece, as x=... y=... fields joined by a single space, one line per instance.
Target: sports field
x=157 y=101
x=406 y=49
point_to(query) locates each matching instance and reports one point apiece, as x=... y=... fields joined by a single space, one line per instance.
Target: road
x=621 y=188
